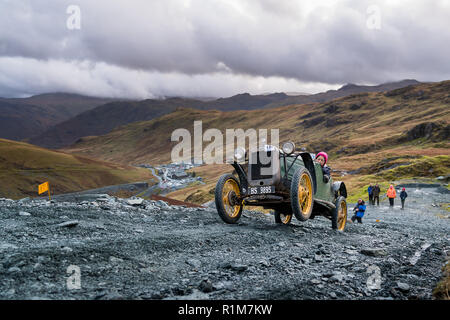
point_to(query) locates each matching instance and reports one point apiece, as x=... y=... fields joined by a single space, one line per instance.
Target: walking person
x=391 y=194
x=376 y=194
x=370 y=192
x=359 y=210
x=403 y=196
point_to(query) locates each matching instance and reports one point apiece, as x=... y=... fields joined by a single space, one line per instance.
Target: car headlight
x=239 y=154
x=288 y=147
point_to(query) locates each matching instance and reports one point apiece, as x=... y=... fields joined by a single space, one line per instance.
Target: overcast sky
x=152 y=48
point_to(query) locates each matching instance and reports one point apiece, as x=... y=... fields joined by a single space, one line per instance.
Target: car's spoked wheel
x=230 y=193
x=342 y=216
x=305 y=193
x=339 y=217
x=302 y=194
x=227 y=198
x=283 y=218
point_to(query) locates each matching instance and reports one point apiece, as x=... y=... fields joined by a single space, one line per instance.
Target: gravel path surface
x=136 y=249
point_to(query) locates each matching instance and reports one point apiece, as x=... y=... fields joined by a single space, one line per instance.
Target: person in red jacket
x=391 y=195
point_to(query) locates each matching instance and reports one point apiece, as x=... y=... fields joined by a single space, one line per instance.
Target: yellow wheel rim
x=305 y=194
x=342 y=216
x=285 y=218
x=229 y=188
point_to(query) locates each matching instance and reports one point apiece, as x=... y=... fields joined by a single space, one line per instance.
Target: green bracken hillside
x=376 y=136
x=414 y=117
x=24 y=166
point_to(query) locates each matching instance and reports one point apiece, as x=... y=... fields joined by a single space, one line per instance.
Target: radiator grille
x=256 y=166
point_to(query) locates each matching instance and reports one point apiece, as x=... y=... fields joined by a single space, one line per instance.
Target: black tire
x=302 y=210
x=339 y=215
x=223 y=202
x=281 y=217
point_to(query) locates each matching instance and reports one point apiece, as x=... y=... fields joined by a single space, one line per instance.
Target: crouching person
x=359 y=210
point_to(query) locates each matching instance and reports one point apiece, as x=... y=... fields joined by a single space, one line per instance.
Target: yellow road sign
x=43 y=187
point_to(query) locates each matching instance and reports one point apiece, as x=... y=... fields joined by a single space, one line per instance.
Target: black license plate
x=261 y=190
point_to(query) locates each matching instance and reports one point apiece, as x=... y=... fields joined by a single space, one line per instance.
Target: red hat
x=403 y=189
x=323 y=154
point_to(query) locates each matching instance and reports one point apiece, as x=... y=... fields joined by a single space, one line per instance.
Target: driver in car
x=322 y=158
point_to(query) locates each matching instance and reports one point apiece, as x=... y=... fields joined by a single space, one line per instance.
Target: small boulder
x=14 y=270
x=67 y=249
x=135 y=202
x=11 y=292
x=162 y=204
x=205 y=286
x=223 y=285
x=113 y=259
x=318 y=258
x=374 y=252
x=264 y=263
x=239 y=267
x=337 y=278
x=403 y=287
x=68 y=224
x=234 y=266
x=194 y=263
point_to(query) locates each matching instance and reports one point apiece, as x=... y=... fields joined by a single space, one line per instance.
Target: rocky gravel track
x=135 y=249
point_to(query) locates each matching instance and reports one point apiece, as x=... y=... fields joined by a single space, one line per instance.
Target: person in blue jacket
x=370 y=192
x=359 y=210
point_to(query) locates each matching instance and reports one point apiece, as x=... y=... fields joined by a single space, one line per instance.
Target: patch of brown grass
x=124 y=194
x=442 y=289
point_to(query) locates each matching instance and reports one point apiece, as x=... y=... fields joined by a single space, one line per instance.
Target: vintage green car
x=288 y=182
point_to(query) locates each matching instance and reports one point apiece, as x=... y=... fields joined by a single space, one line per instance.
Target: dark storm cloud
x=259 y=45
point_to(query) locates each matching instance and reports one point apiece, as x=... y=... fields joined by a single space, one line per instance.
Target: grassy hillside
x=358 y=124
x=366 y=133
x=24 y=166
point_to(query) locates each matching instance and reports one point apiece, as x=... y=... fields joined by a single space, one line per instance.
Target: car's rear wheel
x=282 y=217
x=339 y=215
x=227 y=198
x=302 y=194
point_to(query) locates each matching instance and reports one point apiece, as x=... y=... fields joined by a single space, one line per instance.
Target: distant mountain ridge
x=345 y=90
x=105 y=118
x=21 y=118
